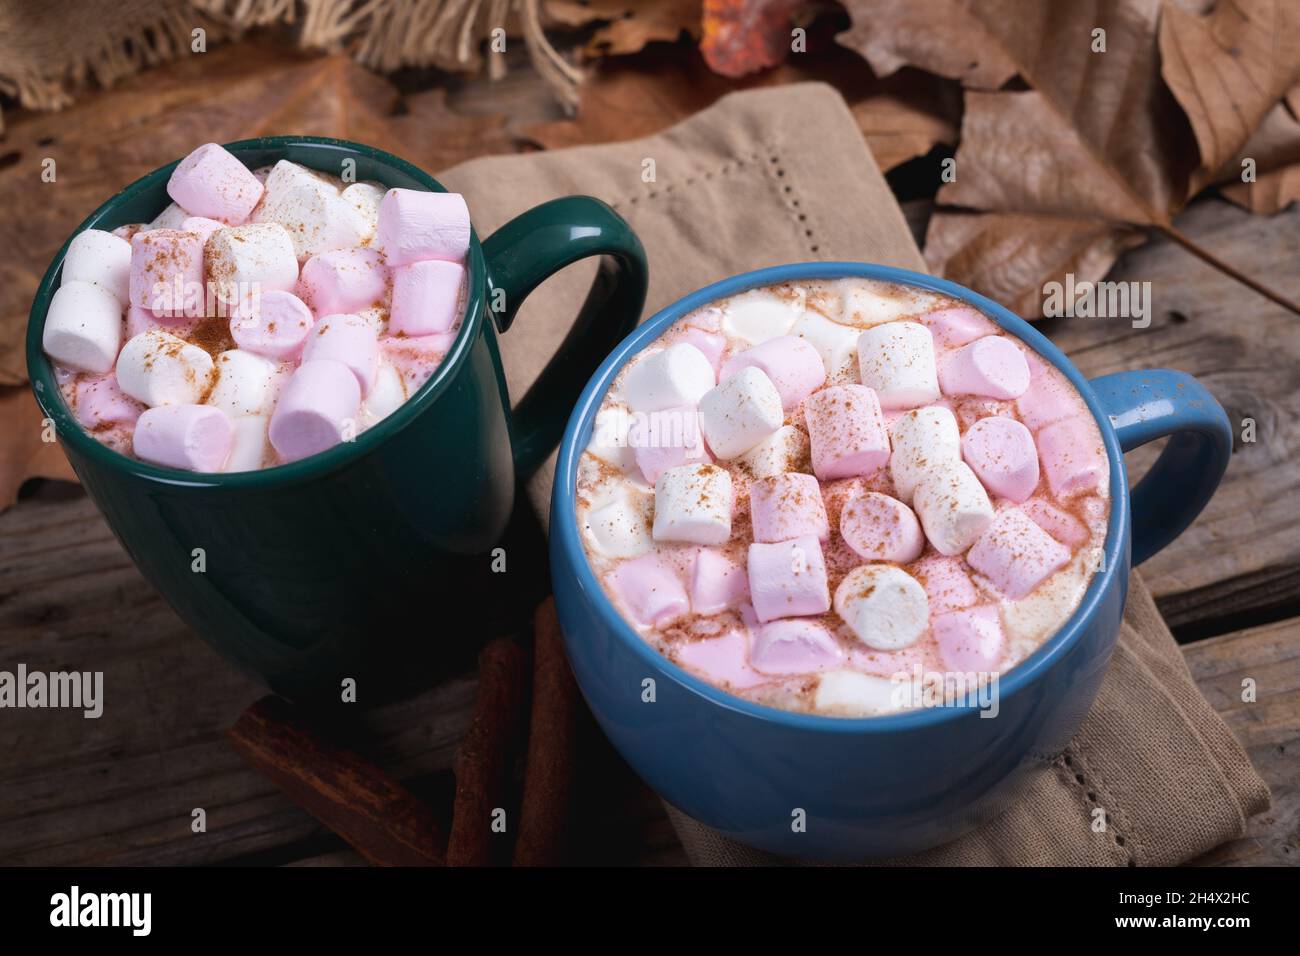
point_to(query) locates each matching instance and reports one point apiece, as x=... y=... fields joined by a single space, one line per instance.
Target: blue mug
x=878 y=786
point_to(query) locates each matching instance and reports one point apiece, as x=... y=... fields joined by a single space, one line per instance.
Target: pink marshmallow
x=953 y=328
x=794 y=647
x=993 y=367
x=1074 y=458
x=787 y=506
x=140 y=320
x=344 y=280
x=203 y=226
x=793 y=365
x=274 y=324
x=348 y=339
x=649 y=591
x=211 y=182
x=316 y=410
x=1001 y=453
x=717 y=583
x=1049 y=397
x=969 y=641
x=665 y=439
x=947 y=585
x=167 y=272
x=881 y=528
x=100 y=402
x=846 y=431
x=1015 y=554
x=1061 y=525
x=723 y=661
x=711 y=344
x=193 y=437
x=415 y=226
x=788 y=579
x=426 y=297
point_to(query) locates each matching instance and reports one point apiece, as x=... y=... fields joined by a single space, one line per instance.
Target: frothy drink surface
x=843 y=497
x=263 y=317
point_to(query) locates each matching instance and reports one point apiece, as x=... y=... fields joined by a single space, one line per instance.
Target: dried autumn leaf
x=1274 y=151
x=1271 y=192
x=908 y=116
x=629 y=24
x=24 y=453
x=744 y=36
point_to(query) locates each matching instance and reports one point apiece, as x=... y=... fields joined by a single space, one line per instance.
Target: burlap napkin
x=782 y=175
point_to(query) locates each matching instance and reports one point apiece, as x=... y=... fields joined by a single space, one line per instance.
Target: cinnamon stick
x=548 y=774
x=376 y=815
x=486 y=756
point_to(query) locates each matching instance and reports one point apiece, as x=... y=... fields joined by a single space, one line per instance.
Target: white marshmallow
x=693 y=504
x=102 y=258
x=760 y=315
x=239 y=260
x=883 y=605
x=609 y=439
x=617 y=528
x=677 y=375
x=953 y=507
x=159 y=368
x=865 y=308
x=922 y=439
x=313 y=212
x=786 y=449
x=837 y=345
x=385 y=396
x=83 y=327
x=897 y=360
x=742 y=411
x=170 y=218
x=247 y=384
x=849 y=693
x=365 y=198
x=249 y=445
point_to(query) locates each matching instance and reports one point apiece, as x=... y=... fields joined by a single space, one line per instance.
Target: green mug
x=351 y=564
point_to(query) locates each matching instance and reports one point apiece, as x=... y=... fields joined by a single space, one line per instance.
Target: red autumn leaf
x=744 y=36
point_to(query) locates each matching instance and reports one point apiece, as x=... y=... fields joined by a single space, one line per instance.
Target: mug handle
x=1149 y=404
x=524 y=253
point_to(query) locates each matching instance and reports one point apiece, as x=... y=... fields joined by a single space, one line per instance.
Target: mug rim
x=564 y=527
x=49 y=396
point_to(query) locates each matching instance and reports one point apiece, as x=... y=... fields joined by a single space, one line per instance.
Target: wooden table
x=122 y=789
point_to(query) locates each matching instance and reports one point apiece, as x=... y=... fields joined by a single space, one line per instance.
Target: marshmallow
x=244 y=260
x=649 y=591
x=365 y=199
x=427 y=297
x=311 y=210
x=248 y=446
x=609 y=439
x=865 y=308
x=415 y=226
x=348 y=340
x=100 y=258
x=274 y=324
x=385 y=396
x=247 y=384
x=897 y=361
x=759 y=315
x=786 y=449
x=787 y=506
x=953 y=507
x=723 y=661
x=1001 y=453
x=788 y=579
x=344 y=280
x=100 y=402
x=794 y=647
x=851 y=693
x=993 y=367
x=167 y=272
x=317 y=410
x=717 y=583
x=922 y=439
x=1049 y=397
x=740 y=413
x=710 y=343
x=1061 y=525
x=693 y=503
x=677 y=375
x=884 y=606
x=211 y=182
x=1074 y=458
x=1015 y=554
x=170 y=218
x=881 y=528
x=946 y=583
x=193 y=437
x=417 y=357
x=846 y=431
x=953 y=328
x=158 y=368
x=836 y=344
x=666 y=439
x=618 y=527
x=201 y=225
x=969 y=641
x=83 y=327
x=792 y=364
